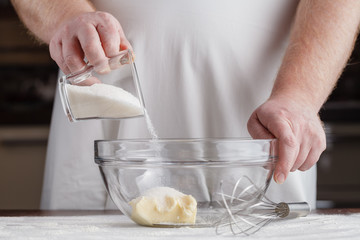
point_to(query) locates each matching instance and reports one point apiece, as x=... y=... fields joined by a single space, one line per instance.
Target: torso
x=204 y=66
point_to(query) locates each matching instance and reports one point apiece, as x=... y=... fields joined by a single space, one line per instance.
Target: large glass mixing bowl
x=218 y=173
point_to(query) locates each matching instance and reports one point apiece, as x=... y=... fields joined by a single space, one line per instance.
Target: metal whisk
x=249 y=210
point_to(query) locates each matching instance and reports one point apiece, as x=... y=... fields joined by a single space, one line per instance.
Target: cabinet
x=22 y=158
x=27 y=87
x=338 y=167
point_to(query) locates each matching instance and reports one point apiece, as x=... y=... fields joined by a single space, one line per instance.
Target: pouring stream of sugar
x=150 y=126
x=154 y=137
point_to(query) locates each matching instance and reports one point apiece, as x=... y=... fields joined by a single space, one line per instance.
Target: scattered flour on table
x=99 y=227
x=103 y=101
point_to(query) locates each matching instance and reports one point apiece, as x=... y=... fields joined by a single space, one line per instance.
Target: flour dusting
x=99 y=227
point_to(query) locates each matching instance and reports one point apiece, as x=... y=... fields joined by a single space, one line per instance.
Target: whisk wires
x=249 y=210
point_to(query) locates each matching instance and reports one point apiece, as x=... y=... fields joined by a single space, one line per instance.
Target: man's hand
x=301 y=138
x=322 y=37
x=94 y=35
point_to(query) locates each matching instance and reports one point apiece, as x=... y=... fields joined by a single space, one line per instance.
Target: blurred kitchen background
x=27 y=85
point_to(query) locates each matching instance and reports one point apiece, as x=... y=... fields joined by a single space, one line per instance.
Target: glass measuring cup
x=116 y=94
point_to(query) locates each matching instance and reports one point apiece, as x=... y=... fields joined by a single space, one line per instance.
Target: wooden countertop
x=4 y=213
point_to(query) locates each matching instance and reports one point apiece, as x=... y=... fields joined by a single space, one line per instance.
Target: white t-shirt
x=204 y=67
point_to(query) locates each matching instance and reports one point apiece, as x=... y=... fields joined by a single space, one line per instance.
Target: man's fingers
x=314 y=155
x=108 y=30
x=124 y=43
x=55 y=48
x=90 y=43
x=287 y=155
x=256 y=129
x=288 y=144
x=72 y=54
x=96 y=36
x=302 y=156
x=288 y=149
x=300 y=135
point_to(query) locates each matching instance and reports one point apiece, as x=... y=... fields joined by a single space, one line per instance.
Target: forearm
x=44 y=18
x=321 y=42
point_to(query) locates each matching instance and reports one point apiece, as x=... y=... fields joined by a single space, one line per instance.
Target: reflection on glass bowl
x=212 y=171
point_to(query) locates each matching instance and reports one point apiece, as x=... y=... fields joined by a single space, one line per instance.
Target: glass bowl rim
x=225 y=139
x=143 y=161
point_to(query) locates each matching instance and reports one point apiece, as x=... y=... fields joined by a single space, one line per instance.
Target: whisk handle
x=293 y=210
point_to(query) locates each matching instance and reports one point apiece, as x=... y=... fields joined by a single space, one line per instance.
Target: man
x=214 y=64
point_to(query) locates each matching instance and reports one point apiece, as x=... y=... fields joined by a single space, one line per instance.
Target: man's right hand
x=94 y=35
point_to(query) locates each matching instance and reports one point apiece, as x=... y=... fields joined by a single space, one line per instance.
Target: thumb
x=256 y=129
